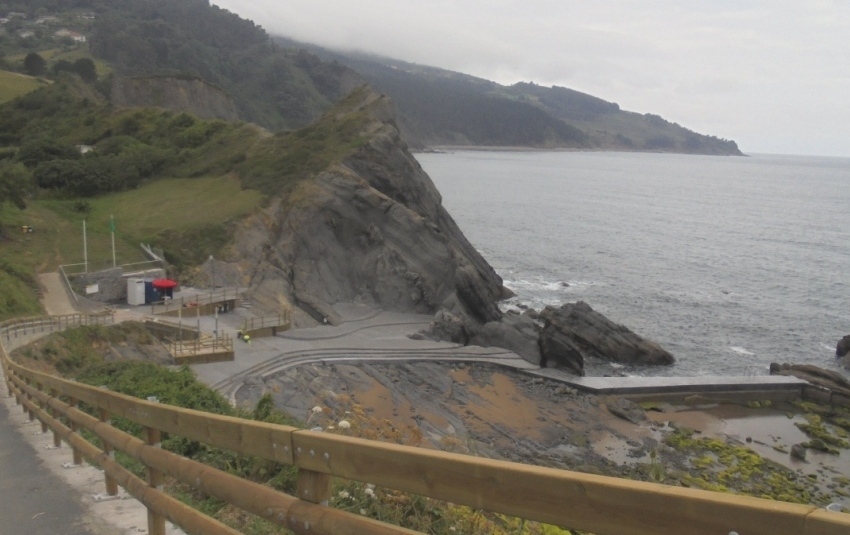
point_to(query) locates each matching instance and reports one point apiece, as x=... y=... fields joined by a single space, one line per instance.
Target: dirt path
x=55 y=299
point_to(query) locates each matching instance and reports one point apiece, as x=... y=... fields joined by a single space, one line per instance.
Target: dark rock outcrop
x=516 y=332
x=627 y=410
x=575 y=332
x=843 y=347
x=827 y=386
x=370 y=229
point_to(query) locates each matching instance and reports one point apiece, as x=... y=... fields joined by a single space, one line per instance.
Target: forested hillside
x=441 y=107
x=271 y=85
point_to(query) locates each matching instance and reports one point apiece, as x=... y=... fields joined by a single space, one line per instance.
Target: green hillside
x=438 y=107
x=13 y=85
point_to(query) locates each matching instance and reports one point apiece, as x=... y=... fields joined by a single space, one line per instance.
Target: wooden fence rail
x=598 y=504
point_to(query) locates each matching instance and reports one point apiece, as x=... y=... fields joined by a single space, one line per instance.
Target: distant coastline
x=449 y=149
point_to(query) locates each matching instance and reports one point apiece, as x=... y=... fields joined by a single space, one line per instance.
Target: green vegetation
x=20 y=291
x=277 y=163
x=718 y=466
x=273 y=87
x=13 y=85
x=441 y=107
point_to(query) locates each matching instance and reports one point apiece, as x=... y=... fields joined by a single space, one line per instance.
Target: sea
x=730 y=263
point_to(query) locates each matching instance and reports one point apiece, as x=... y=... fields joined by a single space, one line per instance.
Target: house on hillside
x=87 y=16
x=4 y=20
x=47 y=20
x=16 y=15
x=26 y=34
x=77 y=37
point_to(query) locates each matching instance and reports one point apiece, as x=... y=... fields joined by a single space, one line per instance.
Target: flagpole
x=112 y=227
x=85 y=249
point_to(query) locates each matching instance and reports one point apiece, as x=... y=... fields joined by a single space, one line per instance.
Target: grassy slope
x=13 y=85
x=173 y=209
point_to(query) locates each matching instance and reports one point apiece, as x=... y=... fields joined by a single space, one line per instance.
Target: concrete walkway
x=34 y=500
x=366 y=334
x=55 y=299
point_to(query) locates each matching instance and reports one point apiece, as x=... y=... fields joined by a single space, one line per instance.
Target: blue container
x=151 y=294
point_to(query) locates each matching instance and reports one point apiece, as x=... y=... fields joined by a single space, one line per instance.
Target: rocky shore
x=485 y=410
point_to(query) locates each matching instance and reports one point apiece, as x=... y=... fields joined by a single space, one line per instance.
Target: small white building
x=77 y=37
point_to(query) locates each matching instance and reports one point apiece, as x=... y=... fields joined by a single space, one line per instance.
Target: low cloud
x=754 y=71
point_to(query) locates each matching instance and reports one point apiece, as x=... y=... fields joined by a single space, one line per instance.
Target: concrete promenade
x=367 y=334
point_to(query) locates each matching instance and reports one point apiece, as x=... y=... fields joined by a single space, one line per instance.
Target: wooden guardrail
x=597 y=504
x=25 y=328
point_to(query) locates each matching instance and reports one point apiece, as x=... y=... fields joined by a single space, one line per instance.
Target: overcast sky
x=773 y=75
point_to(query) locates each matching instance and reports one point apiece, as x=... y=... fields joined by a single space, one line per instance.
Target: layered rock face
x=195 y=96
x=575 y=332
x=371 y=229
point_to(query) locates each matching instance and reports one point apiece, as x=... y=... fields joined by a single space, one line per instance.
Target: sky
x=773 y=75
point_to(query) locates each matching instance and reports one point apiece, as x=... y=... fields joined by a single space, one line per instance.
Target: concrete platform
x=705 y=385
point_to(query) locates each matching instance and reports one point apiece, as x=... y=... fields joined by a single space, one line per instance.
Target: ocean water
x=730 y=263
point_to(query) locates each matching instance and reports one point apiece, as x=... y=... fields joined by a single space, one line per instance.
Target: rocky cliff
x=370 y=228
x=177 y=93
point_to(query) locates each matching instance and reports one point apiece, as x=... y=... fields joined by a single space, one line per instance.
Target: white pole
x=112 y=227
x=85 y=249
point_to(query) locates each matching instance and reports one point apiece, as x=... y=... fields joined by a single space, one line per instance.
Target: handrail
x=598 y=504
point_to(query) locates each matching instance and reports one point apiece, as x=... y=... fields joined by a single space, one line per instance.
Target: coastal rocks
x=826 y=386
x=843 y=347
x=798 y=451
x=446 y=326
x=627 y=410
x=575 y=332
x=369 y=229
x=516 y=332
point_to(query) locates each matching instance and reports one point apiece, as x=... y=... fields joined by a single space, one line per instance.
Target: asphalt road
x=33 y=501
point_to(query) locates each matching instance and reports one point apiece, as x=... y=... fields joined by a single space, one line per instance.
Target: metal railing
x=188 y=303
x=281 y=322
x=597 y=504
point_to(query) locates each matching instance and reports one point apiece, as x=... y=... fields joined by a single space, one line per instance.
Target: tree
x=14 y=184
x=43 y=149
x=86 y=69
x=34 y=65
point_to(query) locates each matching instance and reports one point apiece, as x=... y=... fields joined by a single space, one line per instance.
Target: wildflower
x=370 y=493
x=344 y=494
x=343 y=424
x=317 y=409
x=363 y=512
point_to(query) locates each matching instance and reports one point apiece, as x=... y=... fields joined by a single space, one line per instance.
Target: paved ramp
x=55 y=298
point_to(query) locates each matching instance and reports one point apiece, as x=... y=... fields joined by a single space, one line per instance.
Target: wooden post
x=78 y=456
x=42 y=406
x=29 y=398
x=156 y=523
x=111 y=485
x=57 y=440
x=314 y=487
